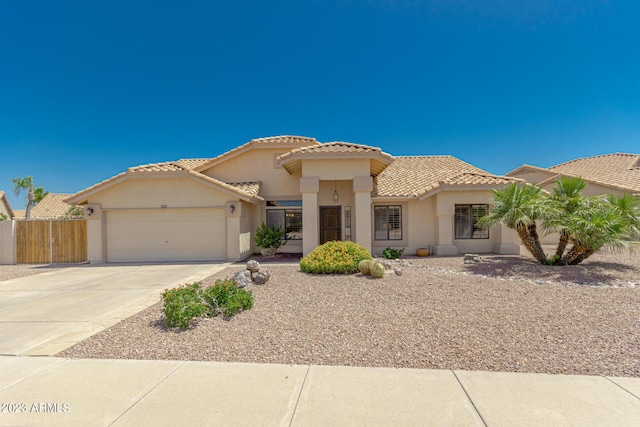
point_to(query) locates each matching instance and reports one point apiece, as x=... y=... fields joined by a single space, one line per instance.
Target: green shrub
x=225 y=297
x=377 y=270
x=390 y=253
x=334 y=257
x=186 y=302
x=364 y=266
x=182 y=305
x=269 y=237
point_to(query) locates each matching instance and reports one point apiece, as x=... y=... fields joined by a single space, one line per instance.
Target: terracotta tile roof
x=158 y=167
x=252 y=188
x=284 y=140
x=619 y=170
x=191 y=163
x=332 y=147
x=292 y=160
x=478 y=179
x=287 y=142
x=51 y=206
x=415 y=176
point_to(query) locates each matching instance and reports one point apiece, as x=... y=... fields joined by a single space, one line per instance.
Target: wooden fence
x=56 y=241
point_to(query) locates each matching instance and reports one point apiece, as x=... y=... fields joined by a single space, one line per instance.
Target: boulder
x=253 y=266
x=243 y=278
x=262 y=277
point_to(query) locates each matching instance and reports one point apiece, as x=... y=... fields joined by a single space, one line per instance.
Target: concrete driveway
x=46 y=313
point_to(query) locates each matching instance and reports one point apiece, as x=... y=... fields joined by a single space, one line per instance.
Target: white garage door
x=166 y=235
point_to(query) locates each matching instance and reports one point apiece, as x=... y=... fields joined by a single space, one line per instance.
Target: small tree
x=25 y=184
x=270 y=238
x=519 y=207
x=39 y=194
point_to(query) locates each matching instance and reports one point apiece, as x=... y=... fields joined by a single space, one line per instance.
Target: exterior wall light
x=336 y=197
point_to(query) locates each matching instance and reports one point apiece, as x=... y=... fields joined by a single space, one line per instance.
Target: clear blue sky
x=90 y=88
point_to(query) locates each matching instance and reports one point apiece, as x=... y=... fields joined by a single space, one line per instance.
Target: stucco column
x=232 y=216
x=362 y=187
x=96 y=231
x=444 y=235
x=309 y=187
x=508 y=241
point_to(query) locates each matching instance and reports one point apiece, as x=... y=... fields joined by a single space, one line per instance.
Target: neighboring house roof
x=246 y=191
x=19 y=213
x=51 y=206
x=421 y=176
x=7 y=206
x=287 y=142
x=617 y=170
x=292 y=161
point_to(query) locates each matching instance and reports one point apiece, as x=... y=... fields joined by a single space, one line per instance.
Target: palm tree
x=565 y=200
x=26 y=183
x=39 y=194
x=600 y=223
x=629 y=208
x=519 y=207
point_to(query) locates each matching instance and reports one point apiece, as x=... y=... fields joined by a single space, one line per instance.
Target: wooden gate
x=57 y=241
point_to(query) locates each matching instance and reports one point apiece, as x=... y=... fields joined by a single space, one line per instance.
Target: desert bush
x=225 y=297
x=187 y=302
x=182 y=305
x=270 y=238
x=377 y=270
x=334 y=257
x=391 y=253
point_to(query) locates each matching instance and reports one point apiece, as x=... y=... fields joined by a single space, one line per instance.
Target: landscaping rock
x=472 y=258
x=253 y=266
x=262 y=277
x=398 y=271
x=243 y=278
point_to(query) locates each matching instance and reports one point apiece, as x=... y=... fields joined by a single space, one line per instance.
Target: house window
x=286 y=214
x=388 y=222
x=347 y=223
x=466 y=222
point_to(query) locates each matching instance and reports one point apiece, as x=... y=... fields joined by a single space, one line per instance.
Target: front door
x=329 y=223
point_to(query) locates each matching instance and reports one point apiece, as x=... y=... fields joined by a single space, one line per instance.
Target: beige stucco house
x=208 y=209
x=616 y=174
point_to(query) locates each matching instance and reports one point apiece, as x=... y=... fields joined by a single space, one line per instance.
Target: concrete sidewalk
x=79 y=392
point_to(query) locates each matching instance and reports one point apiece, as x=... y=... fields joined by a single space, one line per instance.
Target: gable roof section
x=51 y=206
x=292 y=161
x=420 y=176
x=5 y=201
x=287 y=142
x=530 y=168
x=619 y=170
x=246 y=191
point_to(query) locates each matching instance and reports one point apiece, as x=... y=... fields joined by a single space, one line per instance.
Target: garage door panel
x=166 y=235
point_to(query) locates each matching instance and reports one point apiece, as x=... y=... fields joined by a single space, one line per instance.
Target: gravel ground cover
x=8 y=272
x=506 y=313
